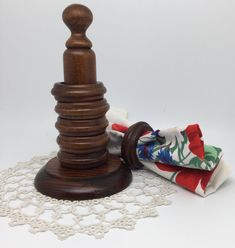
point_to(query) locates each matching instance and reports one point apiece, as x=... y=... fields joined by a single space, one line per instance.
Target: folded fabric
x=177 y=154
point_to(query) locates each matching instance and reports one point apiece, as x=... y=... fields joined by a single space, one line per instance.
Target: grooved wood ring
x=129 y=144
x=82 y=110
x=78 y=92
x=68 y=127
x=83 y=145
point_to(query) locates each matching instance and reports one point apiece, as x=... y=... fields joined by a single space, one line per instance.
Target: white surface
x=176 y=57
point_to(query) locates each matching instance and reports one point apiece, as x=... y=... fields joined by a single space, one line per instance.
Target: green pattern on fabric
x=176 y=151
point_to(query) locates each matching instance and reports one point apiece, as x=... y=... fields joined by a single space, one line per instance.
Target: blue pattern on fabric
x=165 y=156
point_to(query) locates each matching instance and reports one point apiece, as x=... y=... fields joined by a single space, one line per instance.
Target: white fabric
x=220 y=175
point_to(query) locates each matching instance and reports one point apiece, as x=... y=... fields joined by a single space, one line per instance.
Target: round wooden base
x=72 y=184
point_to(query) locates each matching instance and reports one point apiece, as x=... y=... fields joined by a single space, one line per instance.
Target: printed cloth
x=177 y=154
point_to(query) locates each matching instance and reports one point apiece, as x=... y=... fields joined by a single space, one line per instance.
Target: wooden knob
x=77 y=18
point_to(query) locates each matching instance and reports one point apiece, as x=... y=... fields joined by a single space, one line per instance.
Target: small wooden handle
x=78 y=18
x=130 y=141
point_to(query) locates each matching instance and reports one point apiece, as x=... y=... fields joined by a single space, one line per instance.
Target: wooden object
x=129 y=144
x=83 y=169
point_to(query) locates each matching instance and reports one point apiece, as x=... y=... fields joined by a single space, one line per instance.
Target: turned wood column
x=83 y=169
x=81 y=105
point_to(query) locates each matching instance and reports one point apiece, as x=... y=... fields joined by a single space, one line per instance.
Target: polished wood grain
x=129 y=144
x=67 y=184
x=75 y=128
x=83 y=168
x=78 y=92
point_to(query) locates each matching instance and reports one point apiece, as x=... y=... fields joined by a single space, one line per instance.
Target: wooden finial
x=78 y=18
x=79 y=58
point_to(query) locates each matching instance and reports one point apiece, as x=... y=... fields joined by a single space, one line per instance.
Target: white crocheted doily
x=22 y=204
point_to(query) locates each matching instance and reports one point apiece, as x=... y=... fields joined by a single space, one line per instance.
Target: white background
x=169 y=62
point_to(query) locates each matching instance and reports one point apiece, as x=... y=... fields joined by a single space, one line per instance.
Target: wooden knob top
x=77 y=18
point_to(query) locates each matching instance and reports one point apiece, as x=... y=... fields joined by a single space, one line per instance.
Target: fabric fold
x=177 y=154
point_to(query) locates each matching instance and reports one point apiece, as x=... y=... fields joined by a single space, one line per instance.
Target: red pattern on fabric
x=123 y=129
x=119 y=128
x=196 y=145
x=206 y=178
x=147 y=132
x=168 y=167
x=187 y=177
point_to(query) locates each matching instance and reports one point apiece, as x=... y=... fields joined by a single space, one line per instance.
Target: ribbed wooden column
x=83 y=169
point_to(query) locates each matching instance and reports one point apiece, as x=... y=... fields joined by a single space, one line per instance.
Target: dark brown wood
x=83 y=169
x=67 y=184
x=129 y=144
